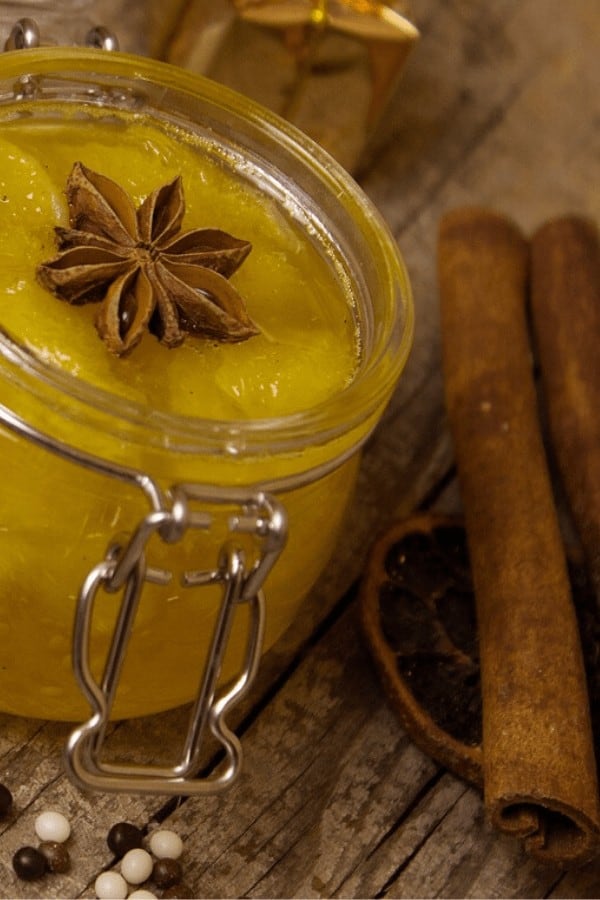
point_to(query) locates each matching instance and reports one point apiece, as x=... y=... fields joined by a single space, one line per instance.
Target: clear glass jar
x=57 y=516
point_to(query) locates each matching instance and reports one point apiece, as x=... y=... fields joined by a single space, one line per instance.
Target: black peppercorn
x=124 y=836
x=6 y=800
x=57 y=856
x=29 y=863
x=166 y=873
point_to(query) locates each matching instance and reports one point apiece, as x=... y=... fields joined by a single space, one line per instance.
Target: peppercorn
x=124 y=836
x=52 y=826
x=57 y=856
x=166 y=872
x=29 y=864
x=165 y=843
x=136 y=866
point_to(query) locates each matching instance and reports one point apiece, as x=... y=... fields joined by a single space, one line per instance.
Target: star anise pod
x=145 y=273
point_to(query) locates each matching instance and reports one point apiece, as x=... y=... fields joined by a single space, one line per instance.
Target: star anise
x=145 y=273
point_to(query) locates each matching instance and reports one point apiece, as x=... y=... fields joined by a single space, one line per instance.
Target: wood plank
x=464 y=857
x=312 y=785
x=496 y=109
x=380 y=870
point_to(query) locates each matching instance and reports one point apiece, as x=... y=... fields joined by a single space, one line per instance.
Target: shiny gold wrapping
x=329 y=66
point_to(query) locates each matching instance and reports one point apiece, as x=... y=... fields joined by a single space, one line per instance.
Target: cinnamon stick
x=538 y=759
x=565 y=302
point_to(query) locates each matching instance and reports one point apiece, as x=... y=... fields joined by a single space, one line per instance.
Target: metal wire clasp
x=25 y=35
x=124 y=569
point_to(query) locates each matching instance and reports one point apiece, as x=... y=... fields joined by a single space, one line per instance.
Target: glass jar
x=84 y=467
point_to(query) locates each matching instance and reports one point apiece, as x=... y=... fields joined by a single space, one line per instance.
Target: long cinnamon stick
x=538 y=758
x=565 y=302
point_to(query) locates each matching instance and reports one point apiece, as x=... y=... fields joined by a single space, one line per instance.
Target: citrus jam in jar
x=284 y=411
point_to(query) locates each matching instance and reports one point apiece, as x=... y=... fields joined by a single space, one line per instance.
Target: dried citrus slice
x=418 y=615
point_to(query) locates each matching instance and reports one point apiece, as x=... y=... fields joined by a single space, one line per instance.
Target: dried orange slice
x=418 y=615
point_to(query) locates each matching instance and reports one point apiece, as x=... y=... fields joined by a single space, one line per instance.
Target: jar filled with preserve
x=202 y=318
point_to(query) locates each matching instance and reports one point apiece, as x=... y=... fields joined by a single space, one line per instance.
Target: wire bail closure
x=125 y=569
x=25 y=35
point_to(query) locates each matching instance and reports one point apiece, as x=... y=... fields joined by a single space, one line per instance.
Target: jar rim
x=358 y=401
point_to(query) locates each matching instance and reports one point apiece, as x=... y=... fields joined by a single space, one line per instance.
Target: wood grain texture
x=498 y=106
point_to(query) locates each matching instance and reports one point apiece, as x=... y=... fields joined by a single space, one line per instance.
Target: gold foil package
x=328 y=66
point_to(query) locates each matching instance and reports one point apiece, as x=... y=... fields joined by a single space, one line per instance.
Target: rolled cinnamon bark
x=565 y=302
x=538 y=758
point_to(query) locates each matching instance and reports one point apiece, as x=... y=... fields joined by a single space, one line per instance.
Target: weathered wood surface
x=498 y=107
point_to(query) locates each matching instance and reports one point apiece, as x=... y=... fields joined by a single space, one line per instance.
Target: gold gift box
x=329 y=66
